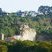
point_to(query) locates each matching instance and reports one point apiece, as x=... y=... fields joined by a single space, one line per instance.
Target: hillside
x=26 y=33
x=10 y=24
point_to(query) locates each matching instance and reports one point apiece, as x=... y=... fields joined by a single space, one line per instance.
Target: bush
x=3 y=48
x=25 y=46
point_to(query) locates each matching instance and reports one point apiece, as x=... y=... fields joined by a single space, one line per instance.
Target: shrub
x=3 y=48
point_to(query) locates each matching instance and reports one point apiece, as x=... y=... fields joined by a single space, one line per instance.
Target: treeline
x=25 y=46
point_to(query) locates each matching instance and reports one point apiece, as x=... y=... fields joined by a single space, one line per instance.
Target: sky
x=24 y=5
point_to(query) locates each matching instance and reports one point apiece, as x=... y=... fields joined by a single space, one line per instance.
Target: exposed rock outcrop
x=27 y=33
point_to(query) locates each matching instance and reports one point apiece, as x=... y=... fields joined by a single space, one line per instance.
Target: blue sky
x=24 y=5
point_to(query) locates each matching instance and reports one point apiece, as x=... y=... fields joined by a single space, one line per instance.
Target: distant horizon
x=23 y=5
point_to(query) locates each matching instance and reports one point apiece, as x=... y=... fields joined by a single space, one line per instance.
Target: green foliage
x=25 y=46
x=10 y=24
x=3 y=48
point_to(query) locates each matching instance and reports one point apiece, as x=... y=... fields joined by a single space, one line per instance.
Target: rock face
x=26 y=33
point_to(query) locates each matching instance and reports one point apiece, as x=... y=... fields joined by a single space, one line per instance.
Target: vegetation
x=25 y=46
x=10 y=25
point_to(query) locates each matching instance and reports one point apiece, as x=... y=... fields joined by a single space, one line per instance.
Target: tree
x=44 y=9
x=0 y=11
